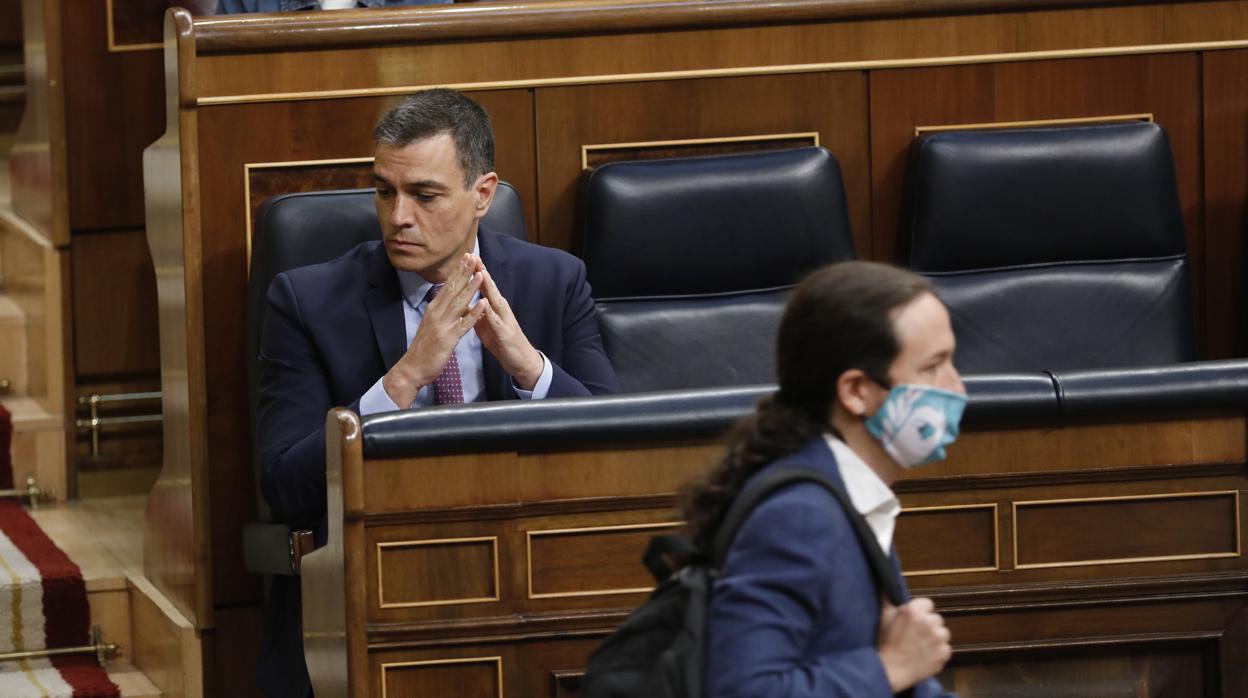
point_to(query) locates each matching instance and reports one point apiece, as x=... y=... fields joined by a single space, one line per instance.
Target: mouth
x=403 y=244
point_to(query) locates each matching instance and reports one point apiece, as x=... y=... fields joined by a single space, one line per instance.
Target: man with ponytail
x=867 y=389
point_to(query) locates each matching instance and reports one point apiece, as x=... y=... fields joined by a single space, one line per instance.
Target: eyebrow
x=419 y=184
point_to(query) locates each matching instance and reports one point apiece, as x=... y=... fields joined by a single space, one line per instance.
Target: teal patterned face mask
x=916 y=422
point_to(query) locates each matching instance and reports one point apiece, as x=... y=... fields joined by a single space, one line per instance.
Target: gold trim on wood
x=1125 y=560
x=996 y=540
x=600 y=147
x=1035 y=123
x=113 y=46
x=834 y=66
x=528 y=557
x=249 y=166
x=498 y=662
x=492 y=540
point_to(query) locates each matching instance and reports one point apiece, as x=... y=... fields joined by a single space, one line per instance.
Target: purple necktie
x=447 y=389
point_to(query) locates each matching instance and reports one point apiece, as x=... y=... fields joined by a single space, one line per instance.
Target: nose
x=402 y=213
x=955 y=381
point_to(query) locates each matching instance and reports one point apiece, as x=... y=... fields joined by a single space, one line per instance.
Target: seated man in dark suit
x=440 y=311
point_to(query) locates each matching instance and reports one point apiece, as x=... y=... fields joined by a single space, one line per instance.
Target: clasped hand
x=913 y=643
x=448 y=318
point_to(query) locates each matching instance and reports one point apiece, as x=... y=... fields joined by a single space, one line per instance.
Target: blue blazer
x=331 y=330
x=795 y=611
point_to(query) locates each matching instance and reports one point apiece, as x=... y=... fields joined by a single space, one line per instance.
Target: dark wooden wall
x=114 y=97
x=12 y=72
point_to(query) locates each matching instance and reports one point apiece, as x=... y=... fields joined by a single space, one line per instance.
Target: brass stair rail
x=32 y=492
x=103 y=651
x=95 y=421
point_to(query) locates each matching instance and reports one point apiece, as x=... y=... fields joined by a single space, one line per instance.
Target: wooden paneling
x=167 y=649
x=1166 y=86
x=241 y=56
x=832 y=105
x=11 y=24
x=472 y=676
x=114 y=288
x=12 y=73
x=231 y=650
x=176 y=548
x=504 y=478
x=602 y=153
x=948 y=539
x=1126 y=529
x=1089 y=446
x=436 y=572
x=591 y=561
x=136 y=24
x=114 y=109
x=478 y=677
x=37 y=163
x=1143 y=669
x=36 y=278
x=1225 y=92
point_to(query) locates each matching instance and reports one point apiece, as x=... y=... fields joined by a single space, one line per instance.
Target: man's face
x=428 y=217
x=926 y=339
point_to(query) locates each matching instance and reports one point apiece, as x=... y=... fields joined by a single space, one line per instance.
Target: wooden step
x=104 y=537
x=38 y=444
x=132 y=682
x=12 y=347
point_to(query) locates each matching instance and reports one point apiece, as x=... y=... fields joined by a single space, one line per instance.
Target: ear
x=854 y=392
x=484 y=188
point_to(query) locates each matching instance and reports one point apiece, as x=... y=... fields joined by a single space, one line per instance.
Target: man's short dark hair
x=433 y=112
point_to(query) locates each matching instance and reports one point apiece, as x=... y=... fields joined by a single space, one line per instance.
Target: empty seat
x=1054 y=248
x=690 y=259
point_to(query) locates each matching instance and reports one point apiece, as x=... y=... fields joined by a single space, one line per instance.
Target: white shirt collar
x=868 y=493
x=414 y=286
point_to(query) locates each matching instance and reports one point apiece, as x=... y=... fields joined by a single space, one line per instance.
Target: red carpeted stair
x=43 y=605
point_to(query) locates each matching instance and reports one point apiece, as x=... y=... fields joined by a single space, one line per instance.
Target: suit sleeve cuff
x=542 y=388
x=377 y=400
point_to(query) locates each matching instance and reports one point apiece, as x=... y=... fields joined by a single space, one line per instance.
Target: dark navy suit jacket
x=331 y=330
x=795 y=611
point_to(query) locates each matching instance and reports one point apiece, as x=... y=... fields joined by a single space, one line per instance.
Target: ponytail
x=774 y=430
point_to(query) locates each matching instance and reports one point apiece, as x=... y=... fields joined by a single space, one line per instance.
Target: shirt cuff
x=377 y=400
x=539 y=390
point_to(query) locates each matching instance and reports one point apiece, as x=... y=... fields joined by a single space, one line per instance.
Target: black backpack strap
x=757 y=490
x=663 y=548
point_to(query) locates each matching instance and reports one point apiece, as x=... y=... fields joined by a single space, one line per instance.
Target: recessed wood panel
x=602 y=153
x=135 y=24
x=1165 y=85
x=1146 y=528
x=437 y=572
x=833 y=105
x=1142 y=670
x=115 y=319
x=114 y=108
x=469 y=678
x=591 y=561
x=266 y=180
x=1225 y=93
x=938 y=540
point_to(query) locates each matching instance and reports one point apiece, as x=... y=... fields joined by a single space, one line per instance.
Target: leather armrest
x=270 y=548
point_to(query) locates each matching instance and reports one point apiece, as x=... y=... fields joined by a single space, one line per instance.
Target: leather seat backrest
x=691 y=259
x=295 y=230
x=1053 y=248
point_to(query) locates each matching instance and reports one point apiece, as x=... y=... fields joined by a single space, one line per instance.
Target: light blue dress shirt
x=468 y=351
